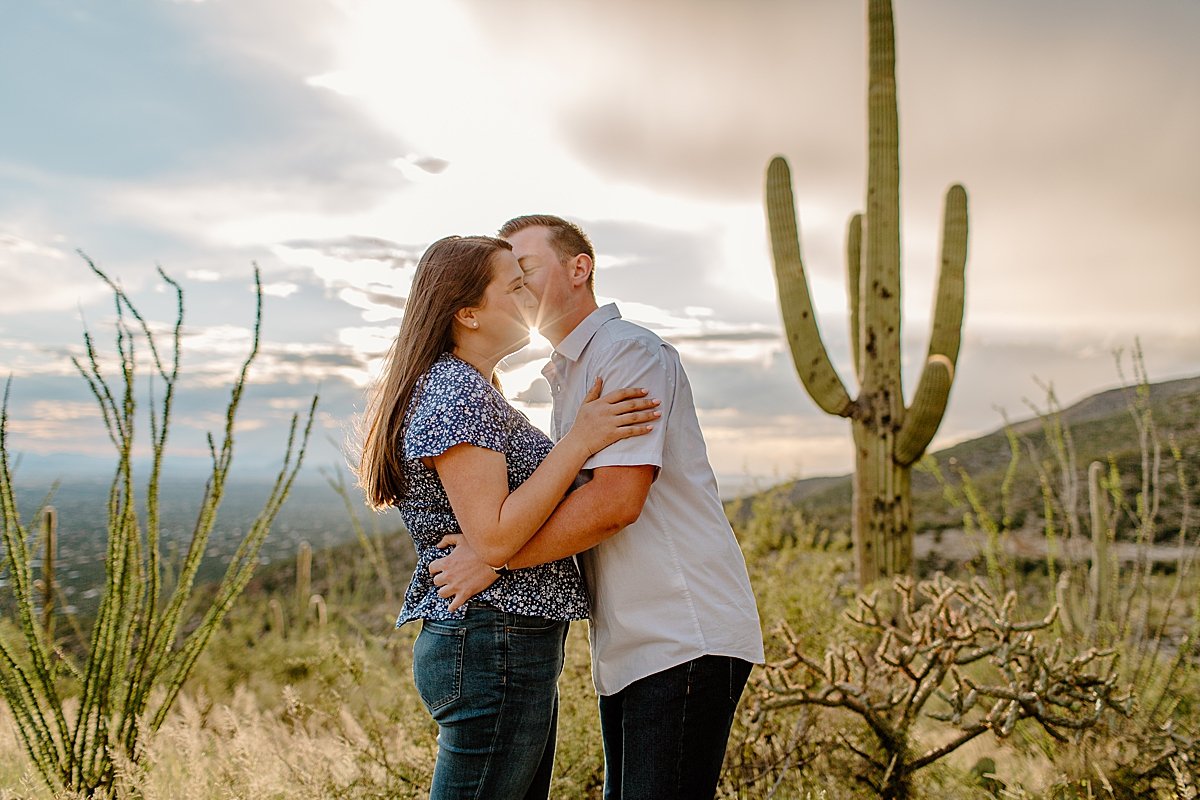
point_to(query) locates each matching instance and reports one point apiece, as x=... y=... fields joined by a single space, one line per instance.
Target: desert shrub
x=803 y=577
x=945 y=651
x=1102 y=522
x=82 y=724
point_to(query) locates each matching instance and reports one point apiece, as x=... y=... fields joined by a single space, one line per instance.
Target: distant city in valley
x=313 y=512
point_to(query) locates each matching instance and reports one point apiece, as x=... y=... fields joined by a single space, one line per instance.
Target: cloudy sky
x=329 y=141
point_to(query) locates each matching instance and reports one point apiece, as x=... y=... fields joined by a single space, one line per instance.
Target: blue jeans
x=490 y=681
x=665 y=735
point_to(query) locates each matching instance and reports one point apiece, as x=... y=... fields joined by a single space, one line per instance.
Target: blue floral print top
x=453 y=404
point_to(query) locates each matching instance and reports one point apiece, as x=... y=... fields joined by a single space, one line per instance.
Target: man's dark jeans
x=665 y=735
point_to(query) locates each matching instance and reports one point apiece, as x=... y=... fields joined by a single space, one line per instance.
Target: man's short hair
x=566 y=238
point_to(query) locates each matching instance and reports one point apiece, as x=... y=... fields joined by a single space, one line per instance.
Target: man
x=674 y=626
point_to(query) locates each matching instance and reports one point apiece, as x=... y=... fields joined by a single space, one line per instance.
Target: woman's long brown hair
x=452 y=274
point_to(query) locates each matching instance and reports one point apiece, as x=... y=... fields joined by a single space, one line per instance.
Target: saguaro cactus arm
x=948 y=308
x=854 y=286
x=925 y=413
x=933 y=389
x=808 y=351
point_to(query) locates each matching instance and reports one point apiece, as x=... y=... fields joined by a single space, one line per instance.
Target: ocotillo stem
x=50 y=533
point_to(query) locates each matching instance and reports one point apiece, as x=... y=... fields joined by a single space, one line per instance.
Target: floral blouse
x=453 y=404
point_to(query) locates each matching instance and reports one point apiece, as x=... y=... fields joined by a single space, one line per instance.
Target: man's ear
x=581 y=269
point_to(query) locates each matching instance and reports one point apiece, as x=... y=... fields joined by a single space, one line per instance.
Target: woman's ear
x=466 y=317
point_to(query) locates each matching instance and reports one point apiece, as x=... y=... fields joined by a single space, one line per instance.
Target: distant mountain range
x=1100 y=427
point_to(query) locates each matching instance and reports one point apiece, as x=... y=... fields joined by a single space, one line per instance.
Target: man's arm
x=610 y=501
x=592 y=513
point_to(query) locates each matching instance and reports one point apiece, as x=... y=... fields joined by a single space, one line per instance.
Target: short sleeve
x=454 y=407
x=649 y=365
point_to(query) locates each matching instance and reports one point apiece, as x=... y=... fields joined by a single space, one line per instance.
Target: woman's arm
x=592 y=513
x=498 y=523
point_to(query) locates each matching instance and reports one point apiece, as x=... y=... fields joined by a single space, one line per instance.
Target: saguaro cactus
x=888 y=436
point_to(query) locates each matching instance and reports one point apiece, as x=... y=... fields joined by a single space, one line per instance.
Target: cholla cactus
x=922 y=659
x=888 y=435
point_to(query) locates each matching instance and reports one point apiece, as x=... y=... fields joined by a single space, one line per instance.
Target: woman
x=444 y=446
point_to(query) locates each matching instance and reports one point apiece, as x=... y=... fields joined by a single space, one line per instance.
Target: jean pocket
x=537 y=626
x=438 y=663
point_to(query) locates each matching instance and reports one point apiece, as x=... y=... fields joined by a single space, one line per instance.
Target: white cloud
x=38 y=275
x=20 y=246
x=777 y=448
x=212 y=421
x=218 y=340
x=281 y=289
x=63 y=410
x=22 y=358
x=203 y=275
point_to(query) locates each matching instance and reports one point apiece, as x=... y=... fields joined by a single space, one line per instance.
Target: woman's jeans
x=665 y=735
x=490 y=681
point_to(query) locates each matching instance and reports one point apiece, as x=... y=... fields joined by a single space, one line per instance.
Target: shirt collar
x=572 y=346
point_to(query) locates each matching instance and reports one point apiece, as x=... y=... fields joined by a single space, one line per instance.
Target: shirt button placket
x=555 y=380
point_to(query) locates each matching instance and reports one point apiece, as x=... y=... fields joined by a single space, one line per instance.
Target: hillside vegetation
x=306 y=690
x=1098 y=428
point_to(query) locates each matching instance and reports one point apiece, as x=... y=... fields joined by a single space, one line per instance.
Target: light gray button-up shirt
x=672 y=586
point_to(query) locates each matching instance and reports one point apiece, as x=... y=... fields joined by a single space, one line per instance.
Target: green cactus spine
x=888 y=436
